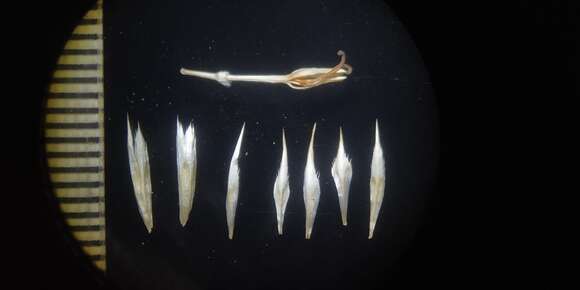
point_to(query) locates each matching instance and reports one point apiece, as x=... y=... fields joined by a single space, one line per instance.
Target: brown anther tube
x=310 y=81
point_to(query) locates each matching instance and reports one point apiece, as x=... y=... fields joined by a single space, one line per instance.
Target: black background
x=146 y=44
x=482 y=59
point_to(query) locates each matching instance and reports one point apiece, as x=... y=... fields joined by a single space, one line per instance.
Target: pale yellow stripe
x=74 y=177
x=79 y=192
x=76 y=73
x=97 y=13
x=86 y=222
x=79 y=59
x=80 y=207
x=89 y=236
x=81 y=44
x=89 y=29
x=74 y=162
x=72 y=103
x=71 y=133
x=101 y=264
x=72 y=118
x=94 y=250
x=75 y=88
x=73 y=147
x=101 y=102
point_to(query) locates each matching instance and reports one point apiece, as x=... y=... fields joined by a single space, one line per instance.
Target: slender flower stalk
x=185 y=146
x=140 y=174
x=311 y=187
x=342 y=175
x=300 y=79
x=377 y=182
x=282 y=187
x=233 y=186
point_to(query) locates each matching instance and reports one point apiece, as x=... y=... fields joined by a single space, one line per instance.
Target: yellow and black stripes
x=74 y=135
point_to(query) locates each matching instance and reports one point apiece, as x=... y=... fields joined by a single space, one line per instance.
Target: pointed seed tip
x=313 y=132
x=183 y=221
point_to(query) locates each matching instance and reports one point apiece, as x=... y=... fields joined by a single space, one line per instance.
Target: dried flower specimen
x=300 y=79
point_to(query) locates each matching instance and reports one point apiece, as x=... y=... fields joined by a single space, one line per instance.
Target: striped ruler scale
x=74 y=135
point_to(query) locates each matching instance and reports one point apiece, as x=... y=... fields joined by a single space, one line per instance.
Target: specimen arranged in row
x=186 y=154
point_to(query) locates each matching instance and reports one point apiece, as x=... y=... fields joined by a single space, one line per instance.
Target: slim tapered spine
x=342 y=175
x=186 y=150
x=140 y=174
x=233 y=186
x=282 y=187
x=377 y=182
x=311 y=187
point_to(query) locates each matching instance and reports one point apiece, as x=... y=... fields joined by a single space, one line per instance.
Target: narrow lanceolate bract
x=140 y=174
x=311 y=187
x=186 y=169
x=233 y=186
x=342 y=174
x=281 y=186
x=377 y=183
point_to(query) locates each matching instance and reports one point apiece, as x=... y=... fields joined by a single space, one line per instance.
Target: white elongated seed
x=281 y=187
x=185 y=145
x=311 y=187
x=377 y=182
x=342 y=175
x=233 y=186
x=140 y=174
